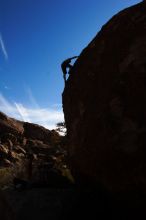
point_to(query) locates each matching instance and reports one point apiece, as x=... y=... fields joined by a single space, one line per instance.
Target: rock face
x=28 y=150
x=35 y=131
x=9 y=125
x=104 y=104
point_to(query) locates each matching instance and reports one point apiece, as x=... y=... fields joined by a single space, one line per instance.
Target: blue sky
x=35 y=37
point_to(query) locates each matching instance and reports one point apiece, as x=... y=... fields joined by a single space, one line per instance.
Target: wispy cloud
x=46 y=117
x=3 y=48
x=57 y=105
x=31 y=97
x=23 y=112
x=5 y=86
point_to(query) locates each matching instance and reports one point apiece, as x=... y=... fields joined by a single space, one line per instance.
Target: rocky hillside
x=28 y=151
x=104 y=104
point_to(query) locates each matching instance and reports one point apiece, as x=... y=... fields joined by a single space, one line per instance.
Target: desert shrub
x=6 y=176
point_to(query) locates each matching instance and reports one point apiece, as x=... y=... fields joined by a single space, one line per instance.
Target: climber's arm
x=73 y=57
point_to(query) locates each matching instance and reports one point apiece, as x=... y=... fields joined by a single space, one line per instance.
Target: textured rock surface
x=35 y=131
x=9 y=125
x=28 y=151
x=104 y=104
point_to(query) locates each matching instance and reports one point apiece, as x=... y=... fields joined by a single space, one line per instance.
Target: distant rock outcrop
x=29 y=150
x=9 y=125
x=104 y=104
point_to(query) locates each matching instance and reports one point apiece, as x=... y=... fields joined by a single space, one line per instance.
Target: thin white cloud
x=23 y=112
x=31 y=97
x=6 y=105
x=46 y=117
x=57 y=105
x=3 y=48
x=6 y=87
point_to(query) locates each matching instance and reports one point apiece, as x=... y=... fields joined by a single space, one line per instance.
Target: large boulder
x=104 y=105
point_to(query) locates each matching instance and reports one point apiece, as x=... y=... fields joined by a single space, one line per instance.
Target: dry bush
x=6 y=177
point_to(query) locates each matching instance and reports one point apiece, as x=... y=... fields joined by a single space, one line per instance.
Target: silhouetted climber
x=66 y=64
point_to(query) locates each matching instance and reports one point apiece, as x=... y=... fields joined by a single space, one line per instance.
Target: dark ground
x=76 y=203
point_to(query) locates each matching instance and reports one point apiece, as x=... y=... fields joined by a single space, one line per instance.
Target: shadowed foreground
x=73 y=203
